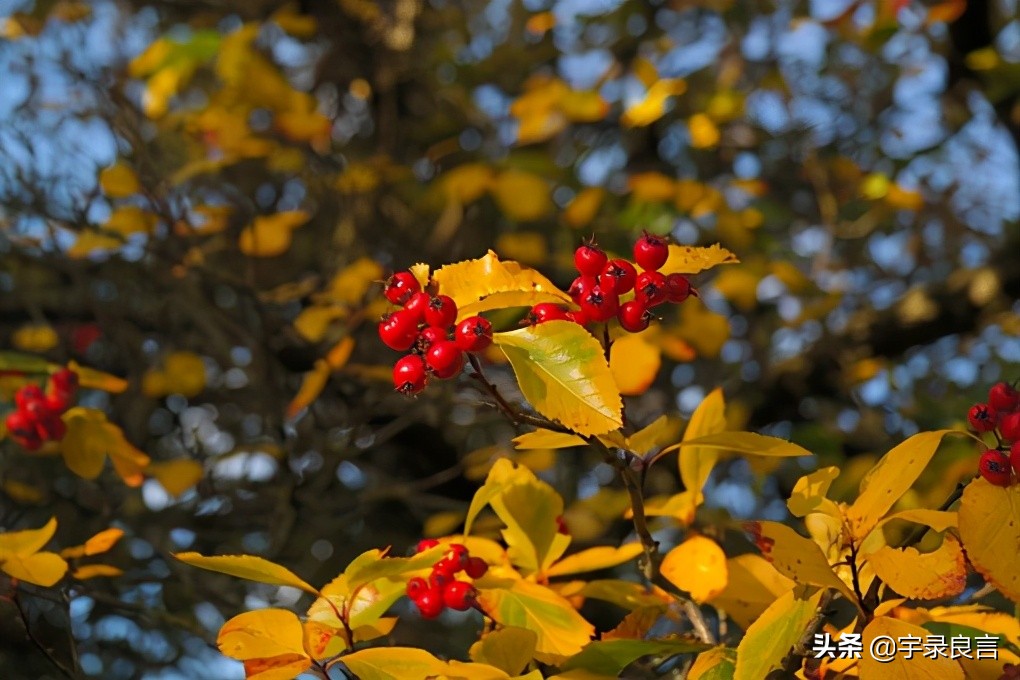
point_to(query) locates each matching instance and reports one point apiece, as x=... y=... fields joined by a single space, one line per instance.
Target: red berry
x=58 y=402
x=409 y=374
x=441 y=311
x=400 y=287
x=476 y=567
x=651 y=251
x=1003 y=397
x=416 y=587
x=580 y=287
x=447 y=567
x=599 y=305
x=1014 y=457
x=430 y=603
x=650 y=288
x=48 y=424
x=678 y=288
x=64 y=380
x=417 y=304
x=618 y=276
x=580 y=317
x=424 y=544
x=28 y=394
x=457 y=552
x=459 y=595
x=982 y=418
x=634 y=316
x=589 y=259
x=1009 y=427
x=995 y=467
x=399 y=330
x=21 y=427
x=430 y=335
x=545 y=311
x=444 y=359
x=473 y=334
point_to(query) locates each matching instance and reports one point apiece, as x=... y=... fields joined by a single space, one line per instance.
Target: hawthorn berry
x=589 y=259
x=430 y=603
x=618 y=276
x=416 y=586
x=58 y=402
x=599 y=305
x=634 y=316
x=27 y=395
x=440 y=578
x=580 y=287
x=995 y=468
x=399 y=330
x=579 y=316
x=1009 y=426
x=678 y=288
x=651 y=251
x=409 y=374
x=545 y=311
x=417 y=304
x=1014 y=457
x=1003 y=397
x=473 y=334
x=476 y=567
x=400 y=287
x=48 y=424
x=424 y=544
x=444 y=359
x=448 y=566
x=22 y=430
x=981 y=417
x=441 y=311
x=64 y=380
x=430 y=335
x=459 y=595
x=650 y=288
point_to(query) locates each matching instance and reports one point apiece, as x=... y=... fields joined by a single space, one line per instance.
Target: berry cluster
x=1000 y=415
x=36 y=418
x=601 y=283
x=426 y=325
x=442 y=589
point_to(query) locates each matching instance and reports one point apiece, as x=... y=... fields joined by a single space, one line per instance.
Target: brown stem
x=515 y=416
x=57 y=663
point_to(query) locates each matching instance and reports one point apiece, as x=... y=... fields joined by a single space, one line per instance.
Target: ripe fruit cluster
x=426 y=325
x=1000 y=415
x=442 y=589
x=602 y=282
x=36 y=417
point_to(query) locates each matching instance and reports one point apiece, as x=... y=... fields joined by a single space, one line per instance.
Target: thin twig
x=57 y=663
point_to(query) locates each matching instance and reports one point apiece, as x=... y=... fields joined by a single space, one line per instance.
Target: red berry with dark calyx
x=64 y=380
x=439 y=578
x=476 y=567
x=430 y=603
x=618 y=276
x=27 y=395
x=409 y=374
x=458 y=553
x=416 y=587
x=450 y=566
x=417 y=304
x=982 y=417
x=473 y=334
x=459 y=595
x=1014 y=458
x=589 y=259
x=599 y=305
x=441 y=311
x=1003 y=397
x=651 y=251
x=430 y=335
x=650 y=288
x=21 y=427
x=634 y=317
x=400 y=287
x=995 y=468
x=425 y=544
x=580 y=287
x=545 y=311
x=678 y=288
x=1009 y=426
x=444 y=359
x=399 y=330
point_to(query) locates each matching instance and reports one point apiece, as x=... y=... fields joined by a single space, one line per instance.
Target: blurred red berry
x=1003 y=397
x=416 y=587
x=678 y=288
x=1009 y=426
x=425 y=544
x=27 y=395
x=1014 y=458
x=995 y=467
x=476 y=567
x=981 y=417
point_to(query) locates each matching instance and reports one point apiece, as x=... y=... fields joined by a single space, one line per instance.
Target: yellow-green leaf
x=693 y=260
x=799 y=558
x=90 y=438
x=698 y=566
x=503 y=474
x=403 y=663
x=247 y=567
x=594 y=559
x=610 y=657
x=918 y=667
x=922 y=576
x=529 y=510
x=563 y=373
x=990 y=531
x=510 y=649
x=90 y=378
x=715 y=664
x=769 y=639
x=696 y=462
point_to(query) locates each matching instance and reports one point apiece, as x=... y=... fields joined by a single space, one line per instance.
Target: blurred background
x=202 y=196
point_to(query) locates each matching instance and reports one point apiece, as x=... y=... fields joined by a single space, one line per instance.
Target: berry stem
x=515 y=416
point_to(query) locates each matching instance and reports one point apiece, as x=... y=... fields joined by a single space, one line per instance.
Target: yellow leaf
x=795 y=556
x=875 y=186
x=769 y=639
x=96 y=571
x=352 y=282
x=990 y=531
x=704 y=134
x=521 y=195
x=284 y=667
x=922 y=576
x=904 y=199
x=529 y=509
x=312 y=385
x=585 y=106
x=90 y=378
x=890 y=478
x=540 y=23
x=653 y=106
x=918 y=667
x=489 y=283
x=739 y=286
x=96 y=545
x=313 y=322
x=177 y=476
x=563 y=373
x=118 y=181
x=809 y=493
x=752 y=585
x=702 y=328
x=90 y=438
x=695 y=462
x=698 y=566
x=28 y=541
x=270 y=235
x=129 y=219
x=509 y=649
x=652 y=186
x=296 y=24
x=655 y=435
x=271 y=639
x=247 y=567
x=562 y=632
x=403 y=663
x=35 y=338
x=547 y=439
x=715 y=664
x=634 y=362
x=184 y=373
x=538 y=125
x=694 y=260
x=466 y=183
x=41 y=568
x=525 y=246
x=583 y=207
x=594 y=559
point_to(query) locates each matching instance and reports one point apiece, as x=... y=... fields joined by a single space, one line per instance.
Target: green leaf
x=715 y=664
x=510 y=649
x=23 y=363
x=612 y=656
x=562 y=372
x=951 y=630
x=769 y=639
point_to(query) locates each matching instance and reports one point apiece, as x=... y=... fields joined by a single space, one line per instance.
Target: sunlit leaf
x=752 y=585
x=248 y=567
x=990 y=531
x=694 y=260
x=703 y=132
x=917 y=667
x=795 y=556
x=91 y=438
x=770 y=638
x=718 y=663
x=651 y=186
x=90 y=378
x=696 y=462
x=466 y=183
x=547 y=439
x=402 y=663
x=697 y=566
x=594 y=559
x=653 y=106
x=27 y=541
x=583 y=207
x=809 y=493
x=510 y=649
x=41 y=568
x=178 y=475
x=96 y=545
x=634 y=362
x=922 y=576
x=612 y=656
x=96 y=571
x=529 y=511
x=269 y=641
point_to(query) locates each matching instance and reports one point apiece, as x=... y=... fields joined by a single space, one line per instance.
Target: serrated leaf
x=916 y=667
x=922 y=576
x=610 y=657
x=594 y=559
x=247 y=567
x=510 y=649
x=563 y=373
x=795 y=556
x=990 y=530
x=694 y=260
x=697 y=566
